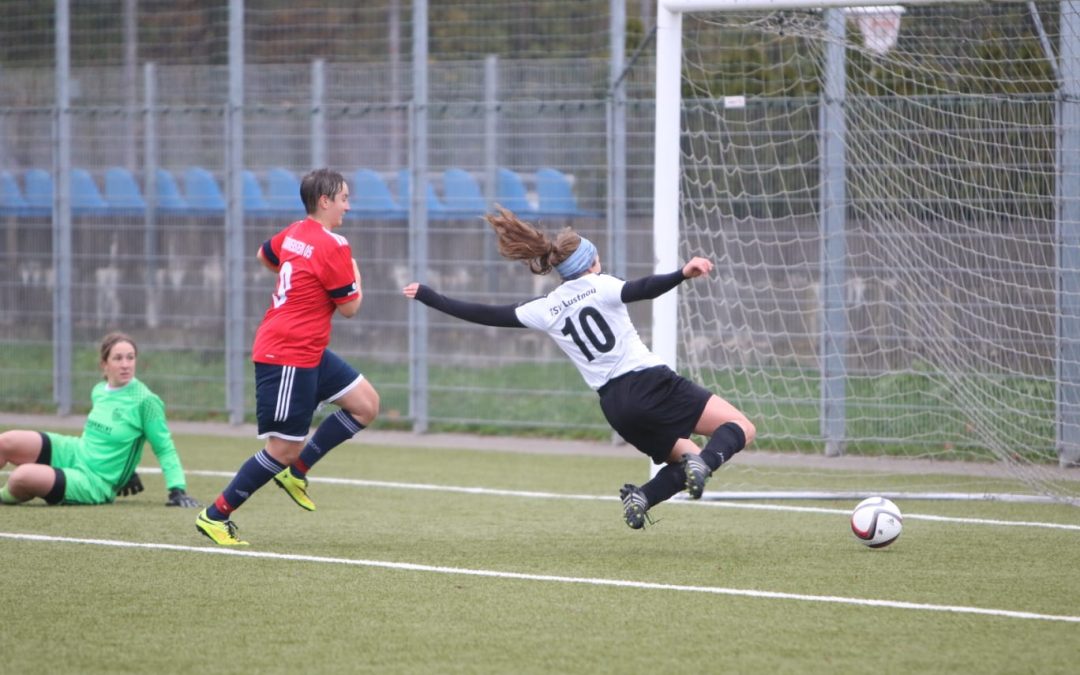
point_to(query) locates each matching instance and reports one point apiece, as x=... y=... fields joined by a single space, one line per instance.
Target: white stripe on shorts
x=284 y=394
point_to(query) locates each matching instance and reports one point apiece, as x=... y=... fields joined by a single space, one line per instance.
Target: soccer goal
x=891 y=195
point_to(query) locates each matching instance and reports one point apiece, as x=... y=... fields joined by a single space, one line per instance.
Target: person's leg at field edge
x=729 y=432
x=253 y=474
x=285 y=400
x=284 y=446
x=29 y=479
x=359 y=406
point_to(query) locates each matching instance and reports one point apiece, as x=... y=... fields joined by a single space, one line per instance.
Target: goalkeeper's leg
x=19 y=446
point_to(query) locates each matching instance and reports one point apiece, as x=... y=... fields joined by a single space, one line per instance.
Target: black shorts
x=653 y=408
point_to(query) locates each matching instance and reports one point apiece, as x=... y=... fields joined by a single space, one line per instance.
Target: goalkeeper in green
x=94 y=468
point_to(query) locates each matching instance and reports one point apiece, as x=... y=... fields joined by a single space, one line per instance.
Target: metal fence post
x=235 y=350
x=61 y=212
x=418 y=221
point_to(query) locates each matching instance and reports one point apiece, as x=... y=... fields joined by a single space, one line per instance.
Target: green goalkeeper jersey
x=120 y=422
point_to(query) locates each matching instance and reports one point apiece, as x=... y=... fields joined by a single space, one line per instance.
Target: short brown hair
x=318 y=183
x=113 y=339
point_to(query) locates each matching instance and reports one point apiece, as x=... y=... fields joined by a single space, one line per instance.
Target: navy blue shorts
x=653 y=408
x=286 y=397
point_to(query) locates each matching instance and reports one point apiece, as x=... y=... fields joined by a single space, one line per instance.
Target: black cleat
x=697 y=473
x=635 y=506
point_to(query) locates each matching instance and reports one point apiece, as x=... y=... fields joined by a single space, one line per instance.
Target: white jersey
x=588 y=320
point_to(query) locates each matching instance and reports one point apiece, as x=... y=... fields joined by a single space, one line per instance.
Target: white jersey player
x=648 y=404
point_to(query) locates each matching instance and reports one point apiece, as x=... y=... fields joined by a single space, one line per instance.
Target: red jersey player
x=294 y=370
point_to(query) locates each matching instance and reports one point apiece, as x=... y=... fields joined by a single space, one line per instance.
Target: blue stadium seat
x=202 y=191
x=38 y=189
x=555 y=194
x=122 y=192
x=283 y=193
x=370 y=197
x=254 y=202
x=462 y=194
x=85 y=196
x=510 y=193
x=168 y=192
x=12 y=203
x=435 y=207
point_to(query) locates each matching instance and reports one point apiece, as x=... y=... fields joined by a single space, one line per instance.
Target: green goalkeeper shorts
x=83 y=485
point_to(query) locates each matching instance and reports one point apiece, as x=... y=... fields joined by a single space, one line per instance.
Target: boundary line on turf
x=520 y=576
x=492 y=492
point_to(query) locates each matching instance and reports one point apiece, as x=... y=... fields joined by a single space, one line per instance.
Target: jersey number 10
x=588 y=318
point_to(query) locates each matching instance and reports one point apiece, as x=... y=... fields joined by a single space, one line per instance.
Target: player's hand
x=177 y=497
x=133 y=487
x=411 y=289
x=697 y=267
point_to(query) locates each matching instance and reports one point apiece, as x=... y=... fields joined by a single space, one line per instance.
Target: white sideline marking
x=456 y=489
x=519 y=576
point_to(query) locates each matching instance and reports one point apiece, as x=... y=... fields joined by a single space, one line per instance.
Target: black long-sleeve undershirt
x=652 y=286
x=502 y=316
x=505 y=316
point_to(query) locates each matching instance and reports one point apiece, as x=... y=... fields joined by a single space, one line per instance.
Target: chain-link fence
x=177 y=134
x=518 y=103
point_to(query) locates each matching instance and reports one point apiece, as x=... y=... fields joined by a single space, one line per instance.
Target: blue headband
x=579 y=261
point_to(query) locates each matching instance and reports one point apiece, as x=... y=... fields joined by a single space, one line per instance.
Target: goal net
x=890 y=195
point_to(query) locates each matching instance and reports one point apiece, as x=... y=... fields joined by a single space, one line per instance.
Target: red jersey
x=315 y=275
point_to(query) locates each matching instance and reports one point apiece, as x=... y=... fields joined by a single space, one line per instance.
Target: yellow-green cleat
x=222 y=532
x=295 y=488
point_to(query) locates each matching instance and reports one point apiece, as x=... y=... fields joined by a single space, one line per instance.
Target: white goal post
x=933 y=308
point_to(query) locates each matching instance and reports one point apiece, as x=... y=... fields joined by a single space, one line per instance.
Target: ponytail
x=518 y=240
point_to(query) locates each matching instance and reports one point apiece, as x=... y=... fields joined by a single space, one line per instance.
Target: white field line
x=528 y=494
x=518 y=576
x=456 y=489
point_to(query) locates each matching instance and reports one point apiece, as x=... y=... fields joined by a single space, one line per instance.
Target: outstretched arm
x=655 y=285
x=502 y=316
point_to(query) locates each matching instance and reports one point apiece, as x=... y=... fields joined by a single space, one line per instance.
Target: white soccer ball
x=876 y=522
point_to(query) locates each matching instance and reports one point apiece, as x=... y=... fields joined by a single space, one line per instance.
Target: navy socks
x=253 y=474
x=334 y=430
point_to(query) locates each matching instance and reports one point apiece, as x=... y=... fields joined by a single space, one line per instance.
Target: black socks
x=726 y=441
x=667 y=483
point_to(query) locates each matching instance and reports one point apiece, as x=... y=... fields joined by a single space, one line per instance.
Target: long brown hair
x=519 y=240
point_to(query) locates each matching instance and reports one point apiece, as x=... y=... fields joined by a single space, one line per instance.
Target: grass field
x=401 y=571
